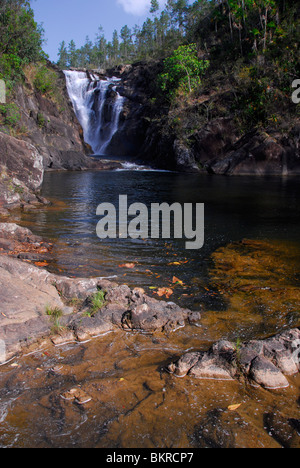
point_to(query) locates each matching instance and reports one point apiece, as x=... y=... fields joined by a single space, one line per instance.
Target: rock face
x=47 y=136
x=138 y=87
x=216 y=148
x=22 y=171
x=256 y=153
x=264 y=363
x=51 y=125
x=183 y=140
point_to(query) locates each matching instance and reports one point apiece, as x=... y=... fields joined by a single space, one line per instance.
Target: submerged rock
x=148 y=314
x=285 y=430
x=76 y=395
x=221 y=428
x=253 y=361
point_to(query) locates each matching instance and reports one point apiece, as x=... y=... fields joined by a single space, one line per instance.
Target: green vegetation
x=55 y=313
x=21 y=38
x=158 y=36
x=97 y=302
x=183 y=70
x=243 y=53
x=9 y=114
x=20 y=45
x=220 y=58
x=45 y=80
x=23 y=61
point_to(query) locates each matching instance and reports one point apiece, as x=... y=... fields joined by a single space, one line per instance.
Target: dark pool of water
x=235 y=208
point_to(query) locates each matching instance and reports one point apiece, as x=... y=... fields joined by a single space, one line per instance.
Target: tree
x=115 y=45
x=21 y=38
x=147 y=37
x=73 y=55
x=63 y=55
x=178 y=10
x=126 y=38
x=101 y=47
x=183 y=70
x=154 y=7
x=19 y=33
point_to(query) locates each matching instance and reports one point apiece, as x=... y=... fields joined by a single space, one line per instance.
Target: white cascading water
x=88 y=96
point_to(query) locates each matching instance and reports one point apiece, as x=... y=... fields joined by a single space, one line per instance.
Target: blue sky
x=76 y=19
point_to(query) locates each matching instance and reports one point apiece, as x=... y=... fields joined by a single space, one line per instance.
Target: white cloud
x=137 y=7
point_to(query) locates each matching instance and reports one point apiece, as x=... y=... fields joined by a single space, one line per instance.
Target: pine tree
x=63 y=55
x=73 y=56
x=154 y=6
x=115 y=45
x=127 y=41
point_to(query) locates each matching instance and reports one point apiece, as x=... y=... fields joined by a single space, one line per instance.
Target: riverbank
x=33 y=299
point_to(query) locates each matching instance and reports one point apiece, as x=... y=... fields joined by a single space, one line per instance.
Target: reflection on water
x=248 y=290
x=235 y=208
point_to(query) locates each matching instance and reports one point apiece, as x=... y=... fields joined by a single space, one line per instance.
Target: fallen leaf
x=127 y=265
x=234 y=407
x=41 y=264
x=78 y=395
x=177 y=280
x=179 y=263
x=165 y=292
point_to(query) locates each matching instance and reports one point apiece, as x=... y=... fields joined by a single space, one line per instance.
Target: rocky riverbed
x=31 y=295
x=33 y=298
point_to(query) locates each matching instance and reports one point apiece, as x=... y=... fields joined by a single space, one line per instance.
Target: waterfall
x=97 y=111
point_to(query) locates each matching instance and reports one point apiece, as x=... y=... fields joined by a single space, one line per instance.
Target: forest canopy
x=248 y=47
x=242 y=27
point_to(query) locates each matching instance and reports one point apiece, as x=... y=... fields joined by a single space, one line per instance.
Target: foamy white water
x=88 y=96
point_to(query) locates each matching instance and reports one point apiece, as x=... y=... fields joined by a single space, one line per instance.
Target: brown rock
x=266 y=374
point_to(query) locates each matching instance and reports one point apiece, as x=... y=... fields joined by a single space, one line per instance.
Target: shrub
x=10 y=114
x=10 y=66
x=45 y=80
x=182 y=71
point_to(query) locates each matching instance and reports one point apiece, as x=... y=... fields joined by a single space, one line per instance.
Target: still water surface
x=235 y=208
